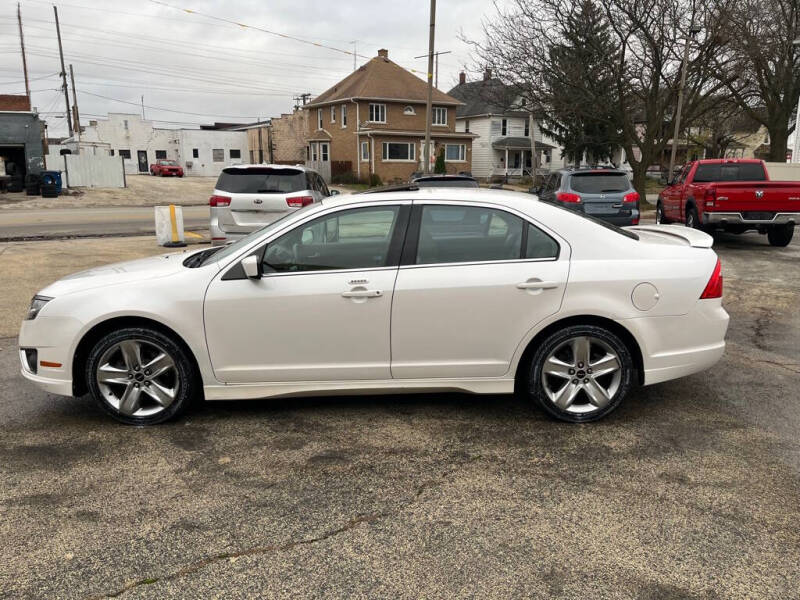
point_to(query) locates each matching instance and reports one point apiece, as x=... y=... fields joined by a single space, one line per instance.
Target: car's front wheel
x=580 y=373
x=140 y=376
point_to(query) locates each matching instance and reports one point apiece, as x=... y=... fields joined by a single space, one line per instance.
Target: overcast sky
x=189 y=63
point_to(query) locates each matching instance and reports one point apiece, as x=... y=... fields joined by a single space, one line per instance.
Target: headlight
x=37 y=304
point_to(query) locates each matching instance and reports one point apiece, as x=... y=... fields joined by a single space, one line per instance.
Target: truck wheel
x=691 y=218
x=780 y=235
x=660 y=218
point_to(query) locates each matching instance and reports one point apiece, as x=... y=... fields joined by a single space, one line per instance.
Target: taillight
x=299 y=201
x=631 y=198
x=714 y=285
x=635 y=221
x=567 y=197
x=710 y=197
x=219 y=201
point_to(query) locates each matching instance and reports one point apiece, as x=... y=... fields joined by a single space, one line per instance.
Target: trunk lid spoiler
x=691 y=237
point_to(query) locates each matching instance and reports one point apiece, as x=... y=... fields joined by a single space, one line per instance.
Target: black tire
x=32 y=189
x=182 y=376
x=780 y=235
x=660 y=218
x=15 y=185
x=692 y=219
x=581 y=410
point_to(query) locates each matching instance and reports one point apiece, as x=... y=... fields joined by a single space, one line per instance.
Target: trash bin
x=49 y=178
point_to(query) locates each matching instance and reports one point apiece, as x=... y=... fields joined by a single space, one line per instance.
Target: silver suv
x=248 y=197
x=605 y=194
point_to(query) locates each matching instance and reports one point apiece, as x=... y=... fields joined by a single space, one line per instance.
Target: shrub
x=348 y=177
x=440 y=168
x=375 y=180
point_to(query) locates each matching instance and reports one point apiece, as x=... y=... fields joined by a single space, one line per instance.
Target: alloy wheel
x=138 y=378
x=582 y=375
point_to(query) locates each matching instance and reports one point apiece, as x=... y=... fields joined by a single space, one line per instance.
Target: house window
x=333 y=114
x=125 y=153
x=466 y=125
x=218 y=155
x=398 y=151
x=319 y=118
x=364 y=151
x=377 y=113
x=455 y=152
x=111 y=152
x=439 y=115
x=323 y=148
x=344 y=116
x=527 y=127
x=409 y=110
x=235 y=153
x=504 y=127
x=195 y=153
x=161 y=154
x=125 y=123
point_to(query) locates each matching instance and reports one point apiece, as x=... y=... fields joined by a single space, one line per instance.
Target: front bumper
x=738 y=218
x=53 y=339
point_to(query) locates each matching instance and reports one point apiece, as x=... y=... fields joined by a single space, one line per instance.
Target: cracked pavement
x=690 y=490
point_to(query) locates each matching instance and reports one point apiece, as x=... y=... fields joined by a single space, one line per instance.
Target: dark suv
x=606 y=194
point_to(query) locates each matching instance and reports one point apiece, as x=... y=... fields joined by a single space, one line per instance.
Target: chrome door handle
x=537 y=284
x=362 y=294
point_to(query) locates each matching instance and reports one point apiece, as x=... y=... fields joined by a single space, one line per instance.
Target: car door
x=321 y=310
x=473 y=280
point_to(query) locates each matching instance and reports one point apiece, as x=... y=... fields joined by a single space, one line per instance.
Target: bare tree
x=646 y=40
x=761 y=64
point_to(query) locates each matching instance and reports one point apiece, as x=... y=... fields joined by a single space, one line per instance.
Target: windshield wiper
x=195 y=260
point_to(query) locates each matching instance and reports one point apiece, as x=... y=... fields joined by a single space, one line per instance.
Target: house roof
x=381 y=79
x=14 y=102
x=486 y=97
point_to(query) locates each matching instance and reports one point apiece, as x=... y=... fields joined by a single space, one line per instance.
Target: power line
x=183 y=112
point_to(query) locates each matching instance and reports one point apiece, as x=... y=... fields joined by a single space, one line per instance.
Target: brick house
x=373 y=121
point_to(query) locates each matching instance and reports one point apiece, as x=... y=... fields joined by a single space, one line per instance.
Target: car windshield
x=168 y=163
x=730 y=172
x=599 y=183
x=261 y=180
x=463 y=182
x=243 y=242
x=606 y=224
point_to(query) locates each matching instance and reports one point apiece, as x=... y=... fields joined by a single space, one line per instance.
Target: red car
x=735 y=195
x=166 y=168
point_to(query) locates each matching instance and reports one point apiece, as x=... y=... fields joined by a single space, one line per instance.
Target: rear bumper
x=622 y=219
x=737 y=218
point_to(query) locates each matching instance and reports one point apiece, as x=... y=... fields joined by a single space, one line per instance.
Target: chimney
x=462 y=78
x=383 y=53
x=487 y=74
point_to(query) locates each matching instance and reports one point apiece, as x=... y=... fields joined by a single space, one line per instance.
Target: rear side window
x=261 y=181
x=539 y=244
x=599 y=183
x=730 y=172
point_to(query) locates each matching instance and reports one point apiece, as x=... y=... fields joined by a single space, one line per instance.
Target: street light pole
x=693 y=29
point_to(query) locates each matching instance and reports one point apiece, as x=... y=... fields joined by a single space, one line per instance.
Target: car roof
x=509 y=198
x=441 y=177
x=298 y=167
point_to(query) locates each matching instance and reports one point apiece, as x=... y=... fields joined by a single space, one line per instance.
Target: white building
x=503 y=147
x=139 y=143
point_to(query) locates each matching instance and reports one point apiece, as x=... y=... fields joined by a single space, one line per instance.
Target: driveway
x=689 y=490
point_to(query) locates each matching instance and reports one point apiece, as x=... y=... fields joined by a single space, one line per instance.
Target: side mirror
x=250 y=266
x=334 y=192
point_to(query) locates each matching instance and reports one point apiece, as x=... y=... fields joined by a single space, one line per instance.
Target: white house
x=199 y=151
x=503 y=147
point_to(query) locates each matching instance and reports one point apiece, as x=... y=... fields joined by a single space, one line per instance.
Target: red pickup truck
x=166 y=168
x=734 y=195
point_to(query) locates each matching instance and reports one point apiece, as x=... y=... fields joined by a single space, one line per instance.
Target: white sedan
x=430 y=290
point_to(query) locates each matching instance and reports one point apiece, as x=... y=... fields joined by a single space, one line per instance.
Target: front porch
x=512 y=158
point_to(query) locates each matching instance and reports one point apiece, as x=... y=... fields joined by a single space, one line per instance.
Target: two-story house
x=373 y=122
x=493 y=111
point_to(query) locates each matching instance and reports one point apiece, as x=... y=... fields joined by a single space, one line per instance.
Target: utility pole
x=142 y=107
x=305 y=97
x=22 y=47
x=429 y=104
x=436 y=70
x=260 y=144
x=693 y=29
x=75 y=113
x=796 y=146
x=63 y=72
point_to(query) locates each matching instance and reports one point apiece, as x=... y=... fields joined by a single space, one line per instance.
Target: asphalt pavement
x=689 y=490
x=89 y=222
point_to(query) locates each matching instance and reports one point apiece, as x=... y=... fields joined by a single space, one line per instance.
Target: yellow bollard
x=173 y=221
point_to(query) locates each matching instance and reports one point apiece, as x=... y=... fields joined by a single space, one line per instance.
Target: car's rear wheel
x=140 y=376
x=692 y=220
x=580 y=373
x=780 y=235
x=660 y=218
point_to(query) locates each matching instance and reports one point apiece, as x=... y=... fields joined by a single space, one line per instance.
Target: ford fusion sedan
x=409 y=291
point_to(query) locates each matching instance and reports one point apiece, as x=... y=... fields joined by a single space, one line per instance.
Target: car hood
x=130 y=271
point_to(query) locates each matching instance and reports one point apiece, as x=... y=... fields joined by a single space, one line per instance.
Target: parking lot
x=689 y=490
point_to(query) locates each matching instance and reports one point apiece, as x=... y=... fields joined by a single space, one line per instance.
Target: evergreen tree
x=440 y=168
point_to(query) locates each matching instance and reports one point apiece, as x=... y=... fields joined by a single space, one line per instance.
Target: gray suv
x=605 y=194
